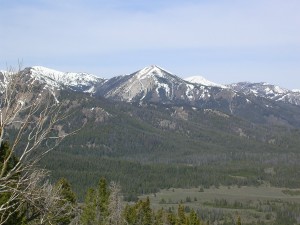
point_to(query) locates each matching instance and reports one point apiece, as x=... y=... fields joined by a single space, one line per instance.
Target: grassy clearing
x=229 y=193
x=253 y=204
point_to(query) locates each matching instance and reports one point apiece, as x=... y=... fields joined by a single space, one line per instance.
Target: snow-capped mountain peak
x=149 y=71
x=203 y=81
x=154 y=84
x=56 y=79
x=138 y=84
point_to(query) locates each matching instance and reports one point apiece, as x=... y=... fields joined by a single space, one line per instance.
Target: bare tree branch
x=33 y=112
x=115 y=207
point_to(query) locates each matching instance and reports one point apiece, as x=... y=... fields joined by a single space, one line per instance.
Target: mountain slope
x=259 y=103
x=269 y=91
x=167 y=134
x=154 y=84
x=154 y=118
x=53 y=79
x=203 y=81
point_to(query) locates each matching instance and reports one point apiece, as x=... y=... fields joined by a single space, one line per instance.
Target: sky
x=225 y=41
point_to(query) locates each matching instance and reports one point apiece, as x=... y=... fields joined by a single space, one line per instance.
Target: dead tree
x=33 y=113
x=115 y=207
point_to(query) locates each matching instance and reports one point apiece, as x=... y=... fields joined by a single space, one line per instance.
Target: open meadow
x=223 y=205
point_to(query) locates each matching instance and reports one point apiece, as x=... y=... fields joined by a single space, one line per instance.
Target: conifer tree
x=181 y=215
x=130 y=214
x=159 y=217
x=193 y=218
x=68 y=199
x=147 y=213
x=171 y=219
x=102 y=201
x=88 y=216
x=239 y=221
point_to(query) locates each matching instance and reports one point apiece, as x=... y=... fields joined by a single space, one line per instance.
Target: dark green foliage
x=130 y=214
x=5 y=151
x=102 y=196
x=139 y=213
x=239 y=221
x=193 y=218
x=69 y=197
x=153 y=132
x=95 y=209
x=182 y=219
x=147 y=213
x=171 y=219
x=149 y=147
x=88 y=216
x=66 y=190
x=159 y=217
x=19 y=216
x=137 y=178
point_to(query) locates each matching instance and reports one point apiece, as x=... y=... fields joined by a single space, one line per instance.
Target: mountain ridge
x=257 y=102
x=77 y=79
x=266 y=90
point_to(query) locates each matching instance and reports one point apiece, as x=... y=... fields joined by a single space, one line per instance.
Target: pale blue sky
x=223 y=40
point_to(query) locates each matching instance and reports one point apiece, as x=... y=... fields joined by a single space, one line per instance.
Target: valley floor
x=223 y=205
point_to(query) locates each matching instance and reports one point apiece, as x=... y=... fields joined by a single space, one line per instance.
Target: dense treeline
x=153 y=132
x=142 y=147
x=149 y=147
x=103 y=206
x=137 y=178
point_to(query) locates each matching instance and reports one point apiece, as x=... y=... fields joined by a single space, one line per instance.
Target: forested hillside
x=153 y=146
x=145 y=147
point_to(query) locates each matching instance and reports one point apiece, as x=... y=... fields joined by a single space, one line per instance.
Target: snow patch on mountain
x=4 y=77
x=203 y=81
x=267 y=90
x=262 y=89
x=56 y=79
x=150 y=70
x=138 y=84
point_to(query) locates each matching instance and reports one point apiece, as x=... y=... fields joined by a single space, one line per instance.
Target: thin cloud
x=66 y=30
x=72 y=29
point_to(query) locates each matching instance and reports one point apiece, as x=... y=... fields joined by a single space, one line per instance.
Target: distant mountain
x=256 y=102
x=53 y=79
x=201 y=80
x=152 y=129
x=149 y=84
x=154 y=84
x=153 y=116
x=268 y=91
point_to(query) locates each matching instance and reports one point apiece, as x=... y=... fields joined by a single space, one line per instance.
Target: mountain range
x=155 y=84
x=155 y=117
x=257 y=102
